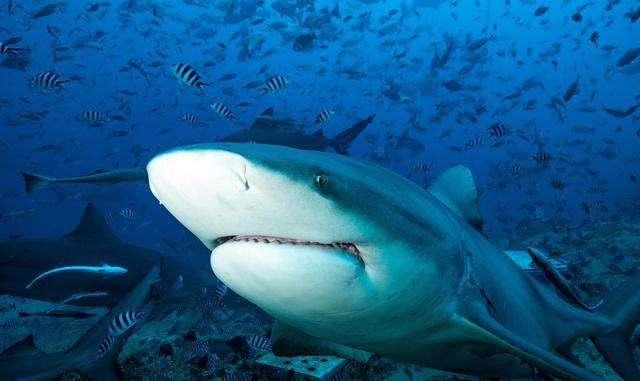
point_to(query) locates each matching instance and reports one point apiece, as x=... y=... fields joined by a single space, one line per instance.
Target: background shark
x=352 y=259
x=23 y=361
x=268 y=130
x=90 y=243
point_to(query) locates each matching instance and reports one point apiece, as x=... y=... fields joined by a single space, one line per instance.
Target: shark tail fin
x=341 y=142
x=623 y=308
x=34 y=182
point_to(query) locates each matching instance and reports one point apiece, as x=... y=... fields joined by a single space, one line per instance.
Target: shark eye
x=321 y=180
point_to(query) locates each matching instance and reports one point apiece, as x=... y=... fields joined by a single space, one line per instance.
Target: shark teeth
x=344 y=246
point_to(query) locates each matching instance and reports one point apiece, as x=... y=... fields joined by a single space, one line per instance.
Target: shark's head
x=114 y=270
x=321 y=241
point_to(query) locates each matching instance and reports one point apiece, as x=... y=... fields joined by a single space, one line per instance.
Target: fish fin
x=61 y=84
x=268 y=112
x=561 y=284
x=456 y=189
x=34 y=182
x=341 y=142
x=24 y=347
x=92 y=226
x=623 y=308
x=289 y=341
x=485 y=327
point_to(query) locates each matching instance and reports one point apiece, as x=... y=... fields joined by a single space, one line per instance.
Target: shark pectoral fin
x=289 y=341
x=24 y=347
x=456 y=189
x=561 y=284
x=488 y=329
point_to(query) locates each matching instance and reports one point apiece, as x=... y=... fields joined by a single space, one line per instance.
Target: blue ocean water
x=539 y=99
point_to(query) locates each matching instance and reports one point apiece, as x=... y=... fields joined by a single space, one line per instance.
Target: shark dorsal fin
x=268 y=112
x=92 y=226
x=456 y=189
x=24 y=347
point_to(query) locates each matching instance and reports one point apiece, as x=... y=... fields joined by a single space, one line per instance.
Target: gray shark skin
x=268 y=130
x=33 y=181
x=23 y=361
x=353 y=259
x=90 y=243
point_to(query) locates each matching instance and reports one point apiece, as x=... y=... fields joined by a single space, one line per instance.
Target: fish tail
x=62 y=82
x=623 y=308
x=34 y=182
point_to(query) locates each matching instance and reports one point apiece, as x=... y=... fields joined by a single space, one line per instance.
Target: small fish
x=540 y=11
x=577 y=17
x=517 y=170
x=47 y=81
x=8 y=50
x=105 y=346
x=224 y=111
x=198 y=349
x=128 y=214
x=258 y=343
x=187 y=75
x=572 y=90
x=420 y=167
x=125 y=320
x=474 y=143
x=498 y=130
x=595 y=36
x=628 y=57
x=323 y=116
x=191 y=119
x=541 y=157
x=274 y=84
x=220 y=291
x=94 y=118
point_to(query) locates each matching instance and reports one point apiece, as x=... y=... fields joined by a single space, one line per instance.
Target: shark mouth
x=347 y=247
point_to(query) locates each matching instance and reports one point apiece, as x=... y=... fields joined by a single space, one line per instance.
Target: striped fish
x=474 y=143
x=105 y=346
x=421 y=167
x=9 y=50
x=128 y=214
x=191 y=119
x=220 y=291
x=198 y=349
x=47 y=80
x=323 y=116
x=517 y=170
x=541 y=157
x=258 y=343
x=224 y=111
x=498 y=130
x=94 y=118
x=125 y=320
x=187 y=75
x=274 y=84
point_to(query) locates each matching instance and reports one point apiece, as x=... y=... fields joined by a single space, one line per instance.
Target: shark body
x=352 y=259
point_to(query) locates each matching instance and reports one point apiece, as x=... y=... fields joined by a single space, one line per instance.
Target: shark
x=104 y=270
x=24 y=361
x=267 y=129
x=90 y=242
x=352 y=260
